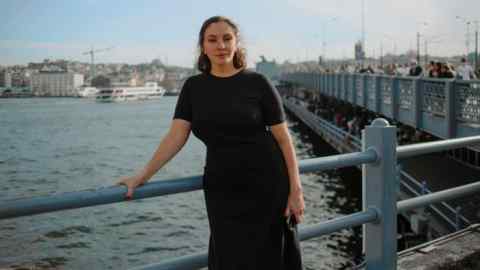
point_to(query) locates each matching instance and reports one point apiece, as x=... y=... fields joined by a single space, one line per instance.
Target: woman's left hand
x=295 y=205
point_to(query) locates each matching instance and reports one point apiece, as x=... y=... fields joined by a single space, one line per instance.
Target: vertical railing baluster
x=354 y=88
x=450 y=115
x=323 y=83
x=395 y=97
x=458 y=226
x=380 y=192
x=365 y=90
x=417 y=103
x=377 y=93
x=319 y=82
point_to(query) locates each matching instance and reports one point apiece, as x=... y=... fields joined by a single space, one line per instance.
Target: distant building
x=20 y=79
x=359 y=51
x=268 y=68
x=56 y=83
x=5 y=78
x=47 y=64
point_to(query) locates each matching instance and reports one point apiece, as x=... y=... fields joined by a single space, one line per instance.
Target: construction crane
x=92 y=59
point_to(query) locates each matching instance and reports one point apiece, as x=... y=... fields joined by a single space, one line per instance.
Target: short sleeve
x=271 y=102
x=183 y=109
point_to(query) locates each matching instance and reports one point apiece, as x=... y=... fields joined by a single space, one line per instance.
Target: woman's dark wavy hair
x=239 y=58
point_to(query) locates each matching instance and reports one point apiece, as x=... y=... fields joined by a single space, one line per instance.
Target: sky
x=294 y=30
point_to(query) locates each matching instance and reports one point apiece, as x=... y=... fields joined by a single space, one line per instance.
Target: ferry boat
x=151 y=90
x=88 y=92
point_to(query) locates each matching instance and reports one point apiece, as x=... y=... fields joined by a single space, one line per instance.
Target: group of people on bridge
x=434 y=69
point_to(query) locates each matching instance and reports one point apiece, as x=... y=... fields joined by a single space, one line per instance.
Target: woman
x=445 y=72
x=251 y=180
x=435 y=71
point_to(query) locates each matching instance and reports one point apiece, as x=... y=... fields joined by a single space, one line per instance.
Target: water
x=56 y=145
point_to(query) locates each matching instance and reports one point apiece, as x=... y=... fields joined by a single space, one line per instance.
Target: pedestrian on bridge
x=465 y=71
x=251 y=180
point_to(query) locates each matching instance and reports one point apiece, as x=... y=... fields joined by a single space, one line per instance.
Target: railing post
x=458 y=209
x=365 y=90
x=395 y=85
x=380 y=192
x=450 y=115
x=312 y=80
x=322 y=83
x=417 y=103
x=334 y=85
x=354 y=89
x=329 y=84
x=377 y=92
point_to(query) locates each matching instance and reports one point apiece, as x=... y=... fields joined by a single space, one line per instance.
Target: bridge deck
x=459 y=250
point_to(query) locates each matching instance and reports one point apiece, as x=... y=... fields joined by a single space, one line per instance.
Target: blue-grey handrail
x=107 y=195
x=448 y=215
x=198 y=260
x=417 y=149
x=438 y=196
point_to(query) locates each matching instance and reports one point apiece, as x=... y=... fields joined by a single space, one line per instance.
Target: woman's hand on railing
x=295 y=205
x=131 y=182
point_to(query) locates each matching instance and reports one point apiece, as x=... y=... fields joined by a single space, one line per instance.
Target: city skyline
x=141 y=31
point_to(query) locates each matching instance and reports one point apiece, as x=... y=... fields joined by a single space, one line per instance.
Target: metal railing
x=446 y=108
x=379 y=173
x=452 y=218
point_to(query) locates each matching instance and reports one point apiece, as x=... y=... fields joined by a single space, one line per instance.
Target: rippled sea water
x=56 y=145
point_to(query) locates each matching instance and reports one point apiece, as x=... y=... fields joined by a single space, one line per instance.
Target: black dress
x=245 y=180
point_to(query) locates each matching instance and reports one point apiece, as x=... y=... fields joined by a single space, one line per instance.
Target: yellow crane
x=92 y=59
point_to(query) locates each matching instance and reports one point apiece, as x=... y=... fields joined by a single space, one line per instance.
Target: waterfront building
x=20 y=78
x=54 y=82
x=5 y=78
x=268 y=68
x=359 y=51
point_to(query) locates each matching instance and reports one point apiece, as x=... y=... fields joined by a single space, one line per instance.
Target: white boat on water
x=151 y=90
x=87 y=92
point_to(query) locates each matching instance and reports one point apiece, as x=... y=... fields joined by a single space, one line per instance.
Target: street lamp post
x=476 y=44
x=364 y=54
x=394 y=48
x=429 y=40
x=418 y=47
x=467 y=38
x=418 y=39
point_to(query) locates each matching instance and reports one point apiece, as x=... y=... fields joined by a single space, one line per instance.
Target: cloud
x=175 y=52
x=20 y=44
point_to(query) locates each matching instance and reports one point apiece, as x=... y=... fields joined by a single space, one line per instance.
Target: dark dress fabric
x=245 y=179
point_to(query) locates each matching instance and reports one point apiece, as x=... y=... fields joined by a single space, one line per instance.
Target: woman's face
x=220 y=43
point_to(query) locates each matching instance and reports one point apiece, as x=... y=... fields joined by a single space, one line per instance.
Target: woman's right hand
x=131 y=182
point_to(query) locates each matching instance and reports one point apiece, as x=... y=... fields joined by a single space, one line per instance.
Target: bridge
x=446 y=217
x=446 y=108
